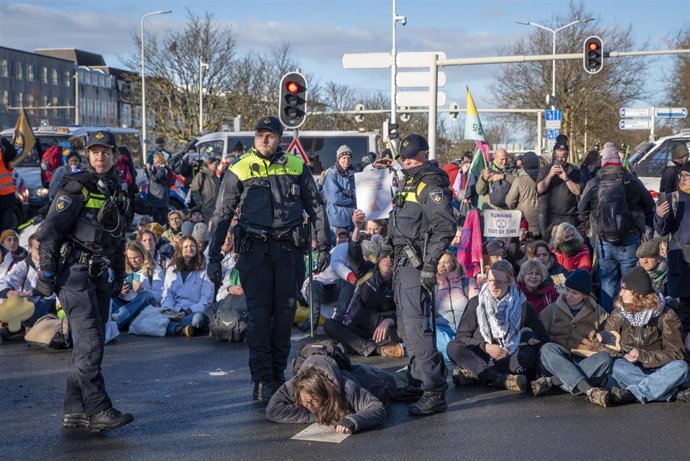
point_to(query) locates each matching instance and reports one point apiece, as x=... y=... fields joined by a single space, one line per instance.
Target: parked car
x=651 y=157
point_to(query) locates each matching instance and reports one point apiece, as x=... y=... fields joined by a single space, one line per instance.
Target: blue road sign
x=554 y=115
x=552 y=134
x=671 y=112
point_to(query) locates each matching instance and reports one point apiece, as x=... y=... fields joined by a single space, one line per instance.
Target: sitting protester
x=453 y=293
x=499 y=335
x=569 y=360
x=229 y=255
x=369 y=325
x=174 y=226
x=537 y=285
x=650 y=259
x=200 y=234
x=322 y=393
x=648 y=366
x=570 y=248
x=149 y=242
x=186 y=290
x=13 y=253
x=540 y=250
x=142 y=287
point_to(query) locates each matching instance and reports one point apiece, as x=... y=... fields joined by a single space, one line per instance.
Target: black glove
x=116 y=288
x=323 y=260
x=428 y=276
x=45 y=286
x=215 y=273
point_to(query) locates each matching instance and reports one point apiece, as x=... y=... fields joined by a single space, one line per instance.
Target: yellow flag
x=24 y=139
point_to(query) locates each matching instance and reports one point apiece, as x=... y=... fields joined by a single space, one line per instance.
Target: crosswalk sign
x=295 y=148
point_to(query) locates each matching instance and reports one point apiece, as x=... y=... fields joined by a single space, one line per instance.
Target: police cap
x=102 y=138
x=270 y=124
x=412 y=145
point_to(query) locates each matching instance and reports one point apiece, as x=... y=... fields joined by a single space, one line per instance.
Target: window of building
x=45 y=105
x=31 y=103
x=56 y=103
x=5 y=99
x=4 y=68
x=55 y=76
x=20 y=99
x=68 y=79
x=30 y=72
x=44 y=74
x=19 y=71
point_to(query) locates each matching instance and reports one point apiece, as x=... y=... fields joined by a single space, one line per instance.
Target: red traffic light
x=593 y=46
x=292 y=87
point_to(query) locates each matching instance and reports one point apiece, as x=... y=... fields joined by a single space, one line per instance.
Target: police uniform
x=270 y=195
x=81 y=237
x=422 y=217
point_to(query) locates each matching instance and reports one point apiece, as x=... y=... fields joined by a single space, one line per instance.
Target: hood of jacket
x=610 y=170
x=325 y=364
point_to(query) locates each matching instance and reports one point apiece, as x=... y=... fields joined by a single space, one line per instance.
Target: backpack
x=229 y=322
x=326 y=347
x=49 y=332
x=613 y=216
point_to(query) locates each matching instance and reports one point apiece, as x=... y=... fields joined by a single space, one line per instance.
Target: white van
x=319 y=146
x=650 y=158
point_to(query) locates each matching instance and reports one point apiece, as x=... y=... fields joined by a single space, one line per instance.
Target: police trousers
x=86 y=300
x=412 y=313
x=271 y=274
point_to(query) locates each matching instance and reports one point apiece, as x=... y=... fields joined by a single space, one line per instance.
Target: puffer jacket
x=580 y=260
x=453 y=294
x=573 y=333
x=194 y=293
x=523 y=196
x=367 y=410
x=659 y=342
x=339 y=192
x=542 y=296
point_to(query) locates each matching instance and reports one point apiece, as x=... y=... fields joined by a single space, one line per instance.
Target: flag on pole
x=24 y=139
x=474 y=131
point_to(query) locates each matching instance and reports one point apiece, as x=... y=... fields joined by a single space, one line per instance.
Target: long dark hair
x=178 y=262
x=314 y=381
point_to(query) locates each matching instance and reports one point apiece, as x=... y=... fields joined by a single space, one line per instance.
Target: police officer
x=269 y=189
x=81 y=237
x=421 y=228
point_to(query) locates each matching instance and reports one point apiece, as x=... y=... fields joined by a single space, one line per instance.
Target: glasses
x=312 y=402
x=684 y=177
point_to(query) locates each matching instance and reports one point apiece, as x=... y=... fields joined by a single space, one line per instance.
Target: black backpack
x=229 y=322
x=326 y=347
x=613 y=220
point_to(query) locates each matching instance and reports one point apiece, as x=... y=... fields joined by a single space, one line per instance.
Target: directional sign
x=417 y=58
x=418 y=99
x=553 y=115
x=418 y=79
x=552 y=134
x=295 y=148
x=366 y=60
x=671 y=112
x=634 y=112
x=634 y=124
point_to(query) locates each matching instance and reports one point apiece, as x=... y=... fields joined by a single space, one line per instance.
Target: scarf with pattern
x=500 y=319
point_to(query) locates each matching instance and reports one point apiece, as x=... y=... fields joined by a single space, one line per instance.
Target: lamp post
x=553 y=68
x=143 y=79
x=394 y=67
x=202 y=65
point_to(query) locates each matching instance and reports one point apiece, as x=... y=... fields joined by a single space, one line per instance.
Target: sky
x=321 y=31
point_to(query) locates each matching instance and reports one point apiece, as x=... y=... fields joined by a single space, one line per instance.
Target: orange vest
x=6 y=180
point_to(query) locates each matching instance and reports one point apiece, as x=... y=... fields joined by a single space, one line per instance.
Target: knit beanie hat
x=609 y=155
x=343 y=150
x=580 y=280
x=679 y=150
x=685 y=167
x=370 y=250
x=7 y=233
x=649 y=249
x=495 y=248
x=187 y=228
x=637 y=280
x=200 y=232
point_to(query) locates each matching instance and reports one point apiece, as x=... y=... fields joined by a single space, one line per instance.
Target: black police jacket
x=270 y=196
x=72 y=217
x=423 y=207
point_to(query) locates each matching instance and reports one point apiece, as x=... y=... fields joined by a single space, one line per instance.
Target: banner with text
x=502 y=223
x=374 y=196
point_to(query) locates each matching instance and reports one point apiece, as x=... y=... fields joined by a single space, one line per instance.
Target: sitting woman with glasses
x=499 y=335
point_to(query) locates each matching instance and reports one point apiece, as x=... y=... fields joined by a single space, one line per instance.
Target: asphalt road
x=191 y=400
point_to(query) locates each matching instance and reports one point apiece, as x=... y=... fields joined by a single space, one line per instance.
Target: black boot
x=430 y=403
x=109 y=419
x=75 y=420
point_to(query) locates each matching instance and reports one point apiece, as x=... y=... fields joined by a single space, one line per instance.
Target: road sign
x=671 y=112
x=418 y=79
x=634 y=124
x=418 y=99
x=366 y=60
x=634 y=112
x=417 y=58
x=552 y=134
x=553 y=115
x=295 y=148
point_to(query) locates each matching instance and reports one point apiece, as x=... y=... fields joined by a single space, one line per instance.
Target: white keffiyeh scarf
x=500 y=320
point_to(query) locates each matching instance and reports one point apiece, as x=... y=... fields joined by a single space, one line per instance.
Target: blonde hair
x=147 y=263
x=315 y=382
x=532 y=264
x=505 y=267
x=560 y=232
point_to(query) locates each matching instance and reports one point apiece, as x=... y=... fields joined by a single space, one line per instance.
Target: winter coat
x=159 y=187
x=580 y=260
x=452 y=296
x=339 y=267
x=204 y=190
x=677 y=225
x=194 y=293
x=494 y=193
x=542 y=296
x=339 y=192
x=153 y=284
x=22 y=277
x=573 y=333
x=367 y=411
x=10 y=259
x=523 y=196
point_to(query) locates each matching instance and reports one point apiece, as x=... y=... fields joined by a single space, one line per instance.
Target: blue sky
x=320 y=31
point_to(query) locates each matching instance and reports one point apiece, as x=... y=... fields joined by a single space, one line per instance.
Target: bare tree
x=678 y=85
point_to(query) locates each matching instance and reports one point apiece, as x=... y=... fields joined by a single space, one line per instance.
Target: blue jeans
x=571 y=369
x=444 y=335
x=41 y=307
x=614 y=261
x=658 y=384
x=124 y=313
x=198 y=320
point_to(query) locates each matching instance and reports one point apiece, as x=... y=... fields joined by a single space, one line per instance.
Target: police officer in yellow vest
x=421 y=228
x=81 y=237
x=269 y=189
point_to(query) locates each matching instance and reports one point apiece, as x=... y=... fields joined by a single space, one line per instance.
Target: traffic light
x=593 y=55
x=292 y=105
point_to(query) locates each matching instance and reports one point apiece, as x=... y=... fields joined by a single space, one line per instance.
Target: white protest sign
x=320 y=433
x=502 y=223
x=373 y=193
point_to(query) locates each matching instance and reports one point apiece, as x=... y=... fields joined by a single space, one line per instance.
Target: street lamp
x=143 y=79
x=394 y=69
x=553 y=68
x=202 y=65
